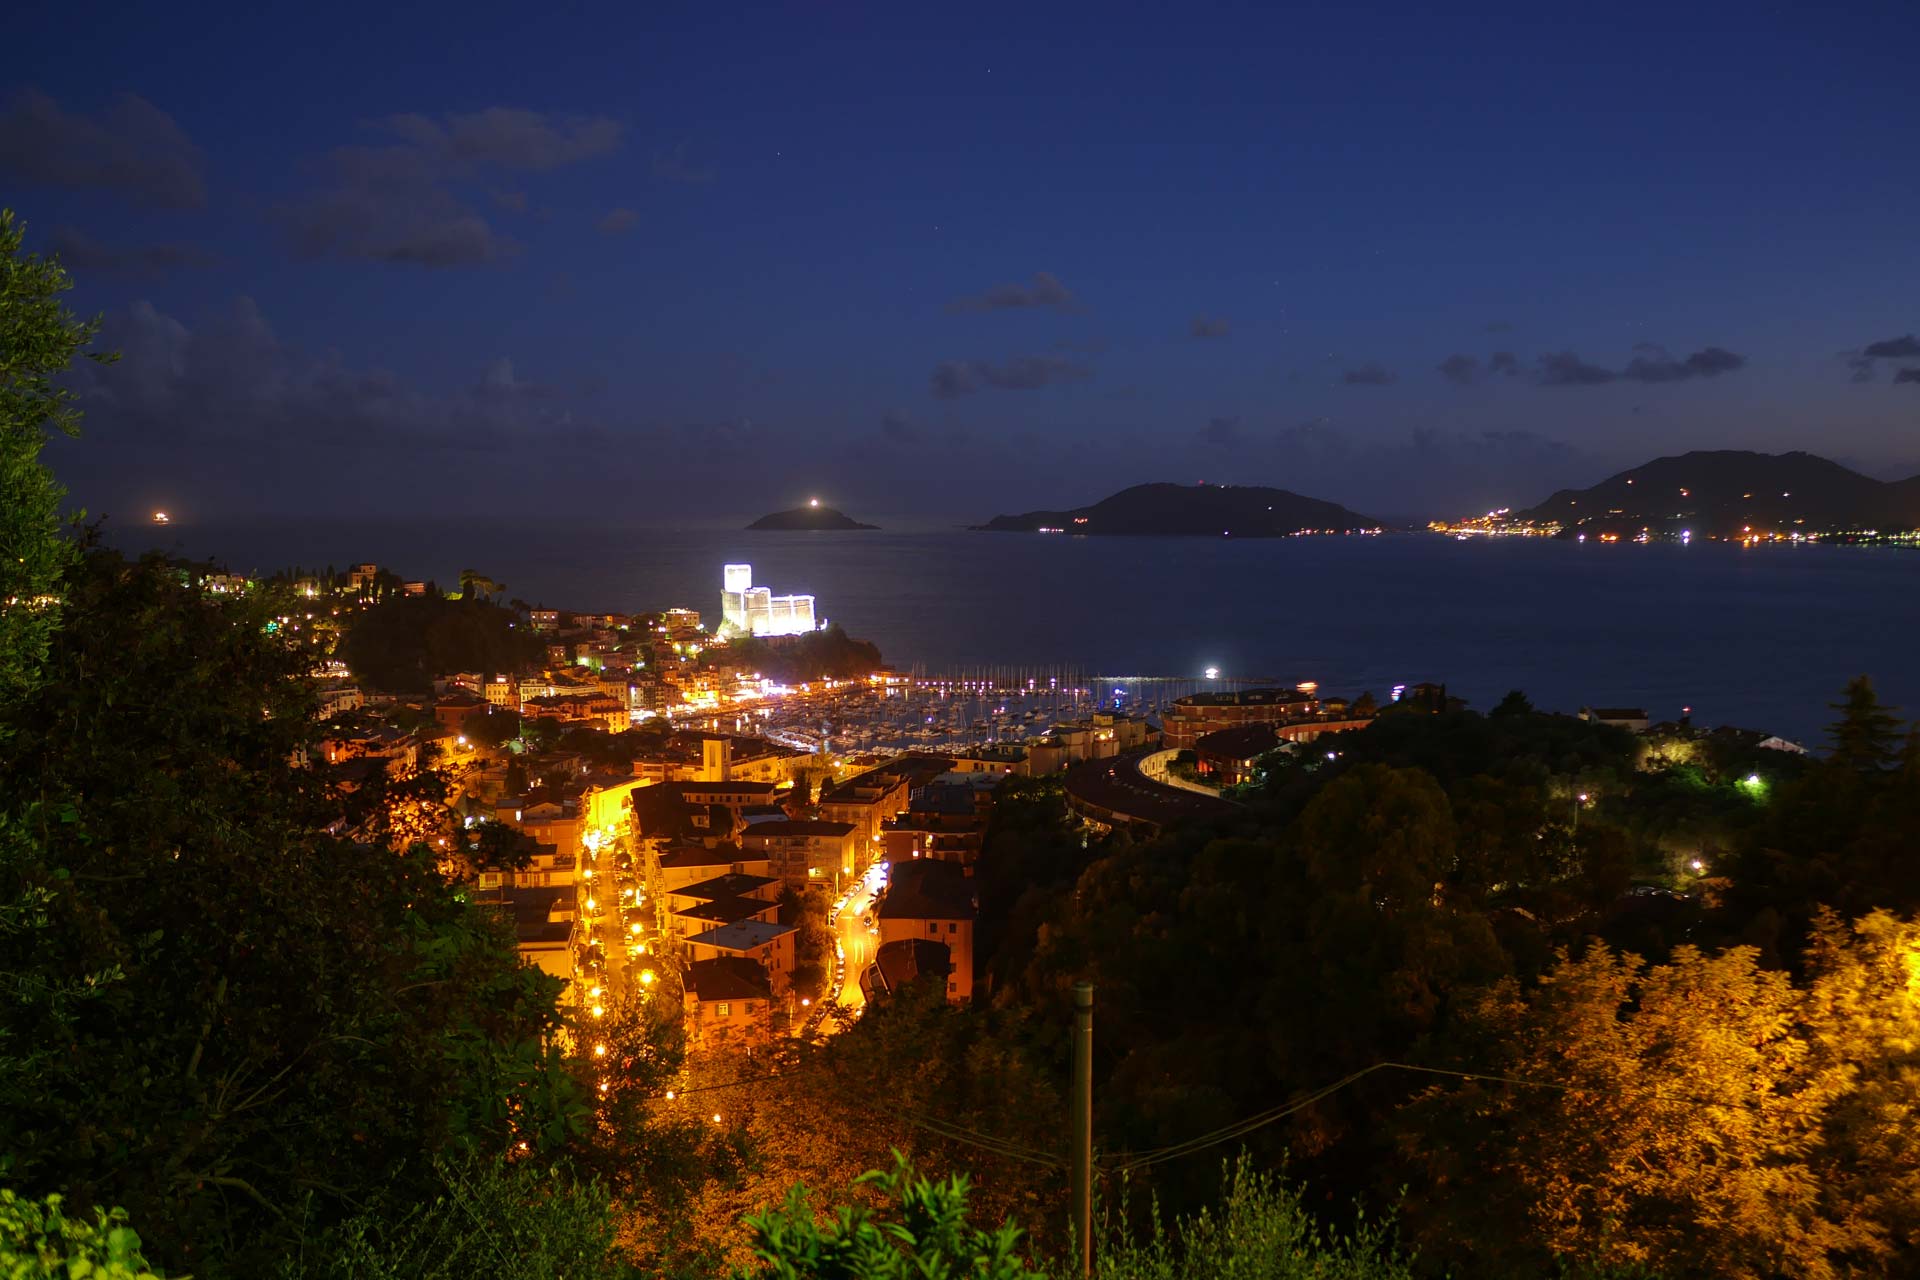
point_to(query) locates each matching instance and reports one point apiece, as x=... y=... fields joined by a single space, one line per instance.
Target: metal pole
x=1083 y=1125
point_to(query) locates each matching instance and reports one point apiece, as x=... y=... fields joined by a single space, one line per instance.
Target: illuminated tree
x=1704 y=1116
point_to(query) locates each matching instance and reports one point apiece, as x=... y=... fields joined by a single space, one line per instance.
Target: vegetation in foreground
x=1588 y=999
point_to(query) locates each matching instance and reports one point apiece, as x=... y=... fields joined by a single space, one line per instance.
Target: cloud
x=1906 y=346
x=1209 y=327
x=955 y=378
x=1651 y=364
x=617 y=221
x=1221 y=433
x=80 y=252
x=1045 y=291
x=674 y=166
x=500 y=382
x=897 y=428
x=1465 y=371
x=1565 y=369
x=1906 y=375
x=407 y=201
x=131 y=147
x=507 y=138
x=1367 y=375
x=232 y=382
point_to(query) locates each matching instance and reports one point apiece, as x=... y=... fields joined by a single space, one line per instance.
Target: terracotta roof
x=729 y=978
x=1242 y=742
x=727 y=910
x=828 y=829
x=727 y=886
x=928 y=891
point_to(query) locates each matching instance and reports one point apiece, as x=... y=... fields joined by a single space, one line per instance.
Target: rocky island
x=1194 y=510
x=811 y=516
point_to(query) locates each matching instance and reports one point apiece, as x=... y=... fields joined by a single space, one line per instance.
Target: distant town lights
x=1213 y=673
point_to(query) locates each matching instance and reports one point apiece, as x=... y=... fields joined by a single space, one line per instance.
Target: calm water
x=1763 y=637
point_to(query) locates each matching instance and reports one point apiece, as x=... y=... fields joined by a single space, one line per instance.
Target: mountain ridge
x=1164 y=509
x=1732 y=493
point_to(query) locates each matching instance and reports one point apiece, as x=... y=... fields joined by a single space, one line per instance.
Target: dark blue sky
x=652 y=264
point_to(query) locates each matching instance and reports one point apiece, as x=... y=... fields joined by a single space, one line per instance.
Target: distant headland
x=1732 y=495
x=811 y=516
x=1194 y=510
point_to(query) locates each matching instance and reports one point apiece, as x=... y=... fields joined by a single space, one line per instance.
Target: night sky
x=664 y=264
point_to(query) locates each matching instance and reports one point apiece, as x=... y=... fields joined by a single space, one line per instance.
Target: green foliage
x=491 y=1218
x=830 y=653
x=266 y=1016
x=39 y=339
x=39 y=1240
x=1867 y=735
x=402 y=642
x=1259 y=1230
x=929 y=1238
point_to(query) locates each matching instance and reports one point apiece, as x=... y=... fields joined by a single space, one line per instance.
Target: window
x=723 y=1010
x=953 y=928
x=932 y=928
x=750 y=1008
x=952 y=987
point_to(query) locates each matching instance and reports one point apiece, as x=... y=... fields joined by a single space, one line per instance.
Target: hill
x=1733 y=493
x=1193 y=510
x=811 y=516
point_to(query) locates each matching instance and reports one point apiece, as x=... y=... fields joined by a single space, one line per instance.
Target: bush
x=37 y=1239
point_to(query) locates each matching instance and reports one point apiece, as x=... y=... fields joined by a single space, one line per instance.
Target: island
x=811 y=516
x=1726 y=494
x=1194 y=510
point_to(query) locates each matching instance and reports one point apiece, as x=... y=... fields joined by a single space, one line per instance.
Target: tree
x=1514 y=704
x=1866 y=736
x=1704 y=1117
x=476 y=586
x=39 y=339
x=291 y=1019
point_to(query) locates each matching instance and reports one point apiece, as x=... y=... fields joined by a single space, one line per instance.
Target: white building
x=749 y=610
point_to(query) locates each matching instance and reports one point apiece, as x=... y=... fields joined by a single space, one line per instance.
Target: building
x=933 y=902
x=1193 y=717
x=1006 y=759
x=767 y=943
x=803 y=853
x=867 y=800
x=1633 y=719
x=736 y=796
x=729 y=1003
x=691 y=863
x=544 y=927
x=755 y=611
x=1227 y=756
x=896 y=964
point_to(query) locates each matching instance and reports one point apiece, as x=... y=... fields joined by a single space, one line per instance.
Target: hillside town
x=758 y=823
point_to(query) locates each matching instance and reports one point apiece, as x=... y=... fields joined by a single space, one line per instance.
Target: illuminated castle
x=749 y=610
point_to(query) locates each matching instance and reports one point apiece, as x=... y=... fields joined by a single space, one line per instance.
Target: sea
x=1759 y=637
